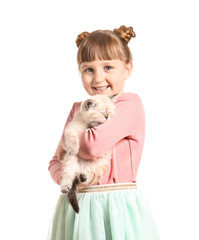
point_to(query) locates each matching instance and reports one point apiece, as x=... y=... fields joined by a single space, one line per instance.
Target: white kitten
x=75 y=170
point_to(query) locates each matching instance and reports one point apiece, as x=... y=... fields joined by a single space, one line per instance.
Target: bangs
x=101 y=46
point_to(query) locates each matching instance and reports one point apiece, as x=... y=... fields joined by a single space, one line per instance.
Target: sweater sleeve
x=128 y=122
x=55 y=164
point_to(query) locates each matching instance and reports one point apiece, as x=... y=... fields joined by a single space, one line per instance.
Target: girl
x=114 y=209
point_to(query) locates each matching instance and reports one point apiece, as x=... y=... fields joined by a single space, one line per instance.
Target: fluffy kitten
x=75 y=170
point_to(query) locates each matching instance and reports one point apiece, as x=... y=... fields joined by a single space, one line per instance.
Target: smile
x=100 y=88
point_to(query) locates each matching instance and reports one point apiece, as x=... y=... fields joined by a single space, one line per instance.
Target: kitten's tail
x=72 y=195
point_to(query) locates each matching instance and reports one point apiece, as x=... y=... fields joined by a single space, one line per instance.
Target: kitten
x=76 y=170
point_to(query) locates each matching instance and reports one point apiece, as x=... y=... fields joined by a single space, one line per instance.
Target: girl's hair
x=105 y=45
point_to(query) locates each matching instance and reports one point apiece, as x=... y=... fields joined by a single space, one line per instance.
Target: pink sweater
x=124 y=133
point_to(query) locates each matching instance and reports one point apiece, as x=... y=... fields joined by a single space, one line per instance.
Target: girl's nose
x=98 y=77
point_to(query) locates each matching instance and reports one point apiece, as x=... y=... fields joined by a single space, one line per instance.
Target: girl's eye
x=89 y=70
x=108 y=67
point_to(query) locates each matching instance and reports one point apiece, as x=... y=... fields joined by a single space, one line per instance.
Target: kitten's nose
x=106 y=117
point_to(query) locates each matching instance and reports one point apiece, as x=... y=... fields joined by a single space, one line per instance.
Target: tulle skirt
x=107 y=212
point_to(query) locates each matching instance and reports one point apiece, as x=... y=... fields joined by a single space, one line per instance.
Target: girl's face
x=105 y=76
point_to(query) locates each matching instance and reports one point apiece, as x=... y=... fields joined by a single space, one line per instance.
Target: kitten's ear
x=89 y=104
x=114 y=98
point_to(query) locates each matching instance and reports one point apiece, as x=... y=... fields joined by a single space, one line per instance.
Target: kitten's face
x=100 y=108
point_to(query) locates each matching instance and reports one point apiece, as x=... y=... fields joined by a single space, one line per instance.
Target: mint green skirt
x=107 y=212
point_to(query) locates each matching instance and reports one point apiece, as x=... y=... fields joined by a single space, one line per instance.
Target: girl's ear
x=129 y=68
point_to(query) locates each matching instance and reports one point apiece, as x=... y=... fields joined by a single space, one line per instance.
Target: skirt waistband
x=108 y=187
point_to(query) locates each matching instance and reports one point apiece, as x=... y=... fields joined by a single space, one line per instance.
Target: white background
x=40 y=81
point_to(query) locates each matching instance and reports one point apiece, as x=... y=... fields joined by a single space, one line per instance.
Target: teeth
x=101 y=88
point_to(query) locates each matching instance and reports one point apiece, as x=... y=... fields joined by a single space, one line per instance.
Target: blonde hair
x=105 y=45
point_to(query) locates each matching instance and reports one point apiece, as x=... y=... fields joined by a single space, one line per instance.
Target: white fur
x=98 y=109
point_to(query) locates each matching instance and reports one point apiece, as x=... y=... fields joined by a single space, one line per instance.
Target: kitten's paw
x=90 y=180
x=66 y=185
x=82 y=177
x=93 y=124
x=85 y=177
x=65 y=189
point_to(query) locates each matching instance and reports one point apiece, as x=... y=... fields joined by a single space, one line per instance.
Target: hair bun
x=125 y=33
x=81 y=37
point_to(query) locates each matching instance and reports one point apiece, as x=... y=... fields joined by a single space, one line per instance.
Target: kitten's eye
x=89 y=70
x=108 y=67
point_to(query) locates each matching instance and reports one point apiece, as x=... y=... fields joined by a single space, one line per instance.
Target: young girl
x=114 y=209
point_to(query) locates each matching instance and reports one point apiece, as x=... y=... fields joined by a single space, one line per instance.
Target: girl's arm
x=128 y=122
x=55 y=164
